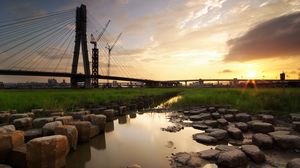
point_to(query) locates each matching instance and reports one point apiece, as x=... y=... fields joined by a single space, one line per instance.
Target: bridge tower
x=80 y=38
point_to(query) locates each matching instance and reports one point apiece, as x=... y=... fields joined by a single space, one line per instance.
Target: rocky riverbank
x=238 y=139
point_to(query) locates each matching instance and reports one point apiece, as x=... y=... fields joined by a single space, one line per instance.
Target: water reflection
x=169 y=102
x=139 y=141
x=132 y=115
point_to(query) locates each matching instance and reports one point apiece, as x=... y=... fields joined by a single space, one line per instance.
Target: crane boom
x=116 y=41
x=104 y=29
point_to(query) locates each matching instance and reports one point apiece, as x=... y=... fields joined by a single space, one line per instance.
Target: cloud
x=226 y=71
x=278 y=37
x=293 y=72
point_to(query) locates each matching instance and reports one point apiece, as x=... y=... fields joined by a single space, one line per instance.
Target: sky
x=193 y=39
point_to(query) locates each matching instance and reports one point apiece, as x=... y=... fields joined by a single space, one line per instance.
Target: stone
x=70 y=132
x=60 y=114
x=243 y=117
x=212 y=123
x=205 y=139
x=49 y=128
x=182 y=157
x=94 y=131
x=134 y=166
x=7 y=128
x=88 y=117
x=23 y=123
x=209 y=130
x=279 y=133
x=4 y=117
x=295 y=116
x=8 y=141
x=262 y=140
x=38 y=112
x=100 y=121
x=262 y=127
x=98 y=110
x=222 y=122
x=296 y=126
x=210 y=154
x=200 y=126
x=196 y=161
x=287 y=141
x=232 y=110
x=33 y=133
x=216 y=115
x=17 y=157
x=16 y=116
x=219 y=135
x=294 y=163
x=232 y=159
x=242 y=126
x=211 y=109
x=40 y=122
x=84 y=130
x=65 y=119
x=229 y=117
x=5 y=166
x=224 y=148
x=79 y=115
x=254 y=153
x=110 y=114
x=267 y=118
x=235 y=133
x=199 y=117
x=222 y=110
x=49 y=151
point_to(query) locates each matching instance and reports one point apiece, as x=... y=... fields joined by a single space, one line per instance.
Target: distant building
x=282 y=76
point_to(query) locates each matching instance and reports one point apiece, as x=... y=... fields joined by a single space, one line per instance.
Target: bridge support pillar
x=80 y=38
x=95 y=68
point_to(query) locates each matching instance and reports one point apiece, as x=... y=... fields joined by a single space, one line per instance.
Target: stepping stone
x=232 y=110
x=200 y=126
x=4 y=117
x=287 y=141
x=243 y=117
x=219 y=134
x=8 y=141
x=79 y=115
x=57 y=114
x=295 y=163
x=229 y=117
x=212 y=123
x=109 y=113
x=222 y=122
x=254 y=153
x=211 y=109
x=242 y=126
x=17 y=157
x=262 y=127
x=196 y=112
x=49 y=128
x=16 y=116
x=84 y=130
x=267 y=118
x=235 y=133
x=222 y=110
x=223 y=148
x=199 y=117
x=70 y=132
x=205 y=139
x=262 y=140
x=66 y=120
x=33 y=133
x=295 y=117
x=210 y=154
x=209 y=130
x=216 y=115
x=232 y=159
x=7 y=129
x=100 y=121
x=49 y=151
x=40 y=122
x=182 y=157
x=23 y=123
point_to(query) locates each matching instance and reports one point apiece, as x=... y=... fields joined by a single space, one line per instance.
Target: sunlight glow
x=251 y=74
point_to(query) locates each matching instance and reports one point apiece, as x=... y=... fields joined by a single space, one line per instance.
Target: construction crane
x=109 y=49
x=95 y=57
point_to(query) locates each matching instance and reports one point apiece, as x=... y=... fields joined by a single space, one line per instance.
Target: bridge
x=54 y=44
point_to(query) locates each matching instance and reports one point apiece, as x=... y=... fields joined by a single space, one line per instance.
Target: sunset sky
x=192 y=39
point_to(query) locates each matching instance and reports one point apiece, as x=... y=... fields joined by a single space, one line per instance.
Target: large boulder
x=262 y=140
x=243 y=117
x=65 y=119
x=262 y=127
x=70 y=132
x=287 y=141
x=8 y=141
x=235 y=133
x=23 y=123
x=84 y=130
x=100 y=121
x=232 y=159
x=254 y=153
x=49 y=151
x=294 y=163
x=205 y=139
x=33 y=133
x=17 y=157
x=49 y=128
x=40 y=122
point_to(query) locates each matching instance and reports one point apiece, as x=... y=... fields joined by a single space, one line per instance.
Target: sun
x=251 y=74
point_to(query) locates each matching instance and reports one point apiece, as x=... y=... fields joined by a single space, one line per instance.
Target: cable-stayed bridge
x=56 y=44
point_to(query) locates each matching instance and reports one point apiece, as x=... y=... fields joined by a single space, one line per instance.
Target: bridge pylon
x=81 y=39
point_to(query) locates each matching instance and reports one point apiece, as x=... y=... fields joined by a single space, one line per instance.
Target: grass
x=66 y=99
x=280 y=100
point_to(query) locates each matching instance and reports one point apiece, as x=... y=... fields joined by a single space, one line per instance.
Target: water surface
x=134 y=139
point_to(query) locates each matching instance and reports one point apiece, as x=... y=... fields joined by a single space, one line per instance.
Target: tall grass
x=25 y=100
x=280 y=100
